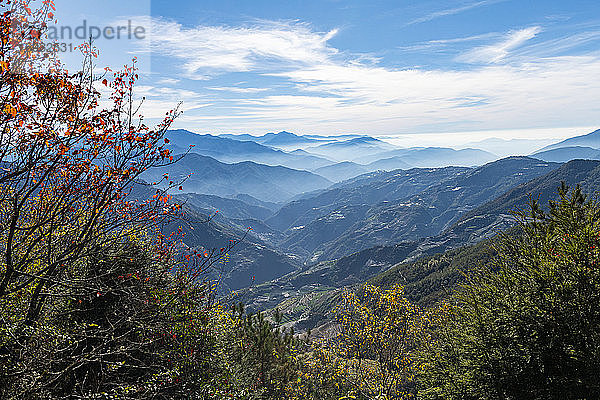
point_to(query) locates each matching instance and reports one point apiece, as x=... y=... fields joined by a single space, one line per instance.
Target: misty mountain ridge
x=348 y=150
x=344 y=170
x=371 y=153
x=591 y=139
x=231 y=151
x=206 y=175
x=566 y=154
x=327 y=224
x=351 y=225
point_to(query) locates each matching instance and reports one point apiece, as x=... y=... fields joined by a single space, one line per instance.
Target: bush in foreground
x=532 y=329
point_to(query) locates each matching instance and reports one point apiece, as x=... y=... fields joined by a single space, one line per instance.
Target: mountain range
x=404 y=206
x=231 y=151
x=348 y=150
x=345 y=170
x=568 y=153
x=337 y=159
x=428 y=267
x=427 y=157
x=274 y=139
x=328 y=213
x=203 y=174
x=591 y=139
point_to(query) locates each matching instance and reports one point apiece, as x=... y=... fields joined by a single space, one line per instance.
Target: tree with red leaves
x=93 y=297
x=68 y=165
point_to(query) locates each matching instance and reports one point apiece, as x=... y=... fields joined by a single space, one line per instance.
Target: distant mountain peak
x=594 y=133
x=365 y=139
x=282 y=133
x=591 y=139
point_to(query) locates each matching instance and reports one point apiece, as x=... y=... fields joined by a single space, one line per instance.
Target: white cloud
x=235 y=89
x=499 y=51
x=337 y=98
x=453 y=11
x=158 y=100
x=209 y=50
x=550 y=48
x=167 y=81
x=322 y=90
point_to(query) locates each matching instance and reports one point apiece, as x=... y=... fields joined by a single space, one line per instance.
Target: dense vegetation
x=430 y=279
x=95 y=302
x=530 y=330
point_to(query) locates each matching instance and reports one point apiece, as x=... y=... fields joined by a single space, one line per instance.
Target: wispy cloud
x=452 y=11
x=208 y=50
x=441 y=43
x=158 y=99
x=235 y=89
x=312 y=87
x=336 y=98
x=560 y=45
x=499 y=51
x=465 y=38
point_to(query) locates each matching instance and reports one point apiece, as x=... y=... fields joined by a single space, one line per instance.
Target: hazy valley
x=338 y=223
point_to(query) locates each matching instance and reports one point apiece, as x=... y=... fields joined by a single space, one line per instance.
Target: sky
x=413 y=72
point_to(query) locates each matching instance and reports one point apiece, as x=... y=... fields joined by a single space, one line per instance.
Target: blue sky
x=433 y=72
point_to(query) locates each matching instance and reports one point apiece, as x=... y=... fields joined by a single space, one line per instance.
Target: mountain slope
x=342 y=171
x=250 y=261
x=388 y=164
x=365 y=190
x=234 y=213
x=349 y=270
x=253 y=201
x=425 y=213
x=264 y=182
x=495 y=215
x=566 y=154
x=230 y=208
x=230 y=150
x=425 y=281
x=431 y=278
x=591 y=139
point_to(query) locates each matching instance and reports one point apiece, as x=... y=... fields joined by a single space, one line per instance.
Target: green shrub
x=531 y=330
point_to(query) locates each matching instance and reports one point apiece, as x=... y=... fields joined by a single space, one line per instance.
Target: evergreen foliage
x=263 y=355
x=531 y=330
